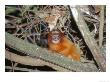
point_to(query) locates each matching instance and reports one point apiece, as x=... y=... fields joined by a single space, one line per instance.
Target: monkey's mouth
x=56 y=41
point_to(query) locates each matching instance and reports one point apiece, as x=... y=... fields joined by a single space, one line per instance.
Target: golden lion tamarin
x=57 y=42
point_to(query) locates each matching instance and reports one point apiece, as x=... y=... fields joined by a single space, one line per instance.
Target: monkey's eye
x=55 y=37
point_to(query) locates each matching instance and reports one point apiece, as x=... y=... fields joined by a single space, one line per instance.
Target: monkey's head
x=55 y=36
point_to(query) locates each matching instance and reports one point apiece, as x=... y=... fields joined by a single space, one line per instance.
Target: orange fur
x=65 y=47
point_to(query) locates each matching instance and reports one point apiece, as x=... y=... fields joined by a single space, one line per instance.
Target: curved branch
x=27 y=60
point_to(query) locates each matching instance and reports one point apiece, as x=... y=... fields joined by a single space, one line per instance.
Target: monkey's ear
x=62 y=35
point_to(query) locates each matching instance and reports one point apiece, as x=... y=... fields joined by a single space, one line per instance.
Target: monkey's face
x=56 y=38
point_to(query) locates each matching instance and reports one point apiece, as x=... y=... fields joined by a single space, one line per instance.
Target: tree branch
x=27 y=60
x=101 y=26
x=90 y=41
x=21 y=69
x=57 y=59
